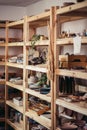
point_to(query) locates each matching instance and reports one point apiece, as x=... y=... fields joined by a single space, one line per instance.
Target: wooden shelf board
x=19 y=87
x=11 y=104
x=75 y=106
x=16 y=44
x=16 y=23
x=74 y=7
x=39 y=68
x=81 y=88
x=39 y=43
x=40 y=119
x=72 y=73
x=2 y=63
x=37 y=94
x=2 y=25
x=2 y=44
x=16 y=126
x=16 y=65
x=69 y=41
x=38 y=17
x=2 y=81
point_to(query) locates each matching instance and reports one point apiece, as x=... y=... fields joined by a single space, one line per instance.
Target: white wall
x=12 y=12
x=39 y=7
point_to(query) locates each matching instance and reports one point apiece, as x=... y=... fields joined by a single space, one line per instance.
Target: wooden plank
x=37 y=94
x=40 y=119
x=25 y=98
x=2 y=81
x=81 y=88
x=16 y=23
x=11 y=104
x=77 y=64
x=38 y=17
x=70 y=18
x=15 y=125
x=2 y=25
x=16 y=44
x=71 y=8
x=37 y=24
x=2 y=44
x=51 y=59
x=2 y=63
x=39 y=43
x=75 y=106
x=69 y=41
x=19 y=87
x=72 y=73
x=57 y=32
x=14 y=65
x=38 y=68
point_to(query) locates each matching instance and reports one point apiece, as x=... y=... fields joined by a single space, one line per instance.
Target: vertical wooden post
x=52 y=42
x=56 y=61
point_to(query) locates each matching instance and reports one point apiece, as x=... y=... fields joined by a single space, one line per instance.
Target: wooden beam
x=16 y=23
x=38 y=17
x=71 y=8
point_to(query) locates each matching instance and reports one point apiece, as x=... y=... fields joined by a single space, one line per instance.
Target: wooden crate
x=72 y=61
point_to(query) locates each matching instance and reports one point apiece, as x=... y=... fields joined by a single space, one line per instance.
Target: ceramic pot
x=69 y=126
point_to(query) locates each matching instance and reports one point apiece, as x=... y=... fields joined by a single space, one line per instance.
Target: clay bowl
x=69 y=126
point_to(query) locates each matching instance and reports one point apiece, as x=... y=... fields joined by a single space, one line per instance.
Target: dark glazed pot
x=80 y=0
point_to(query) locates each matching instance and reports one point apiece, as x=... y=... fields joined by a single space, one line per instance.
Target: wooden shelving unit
x=33 y=23
x=18 y=68
x=2 y=71
x=51 y=19
x=62 y=15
